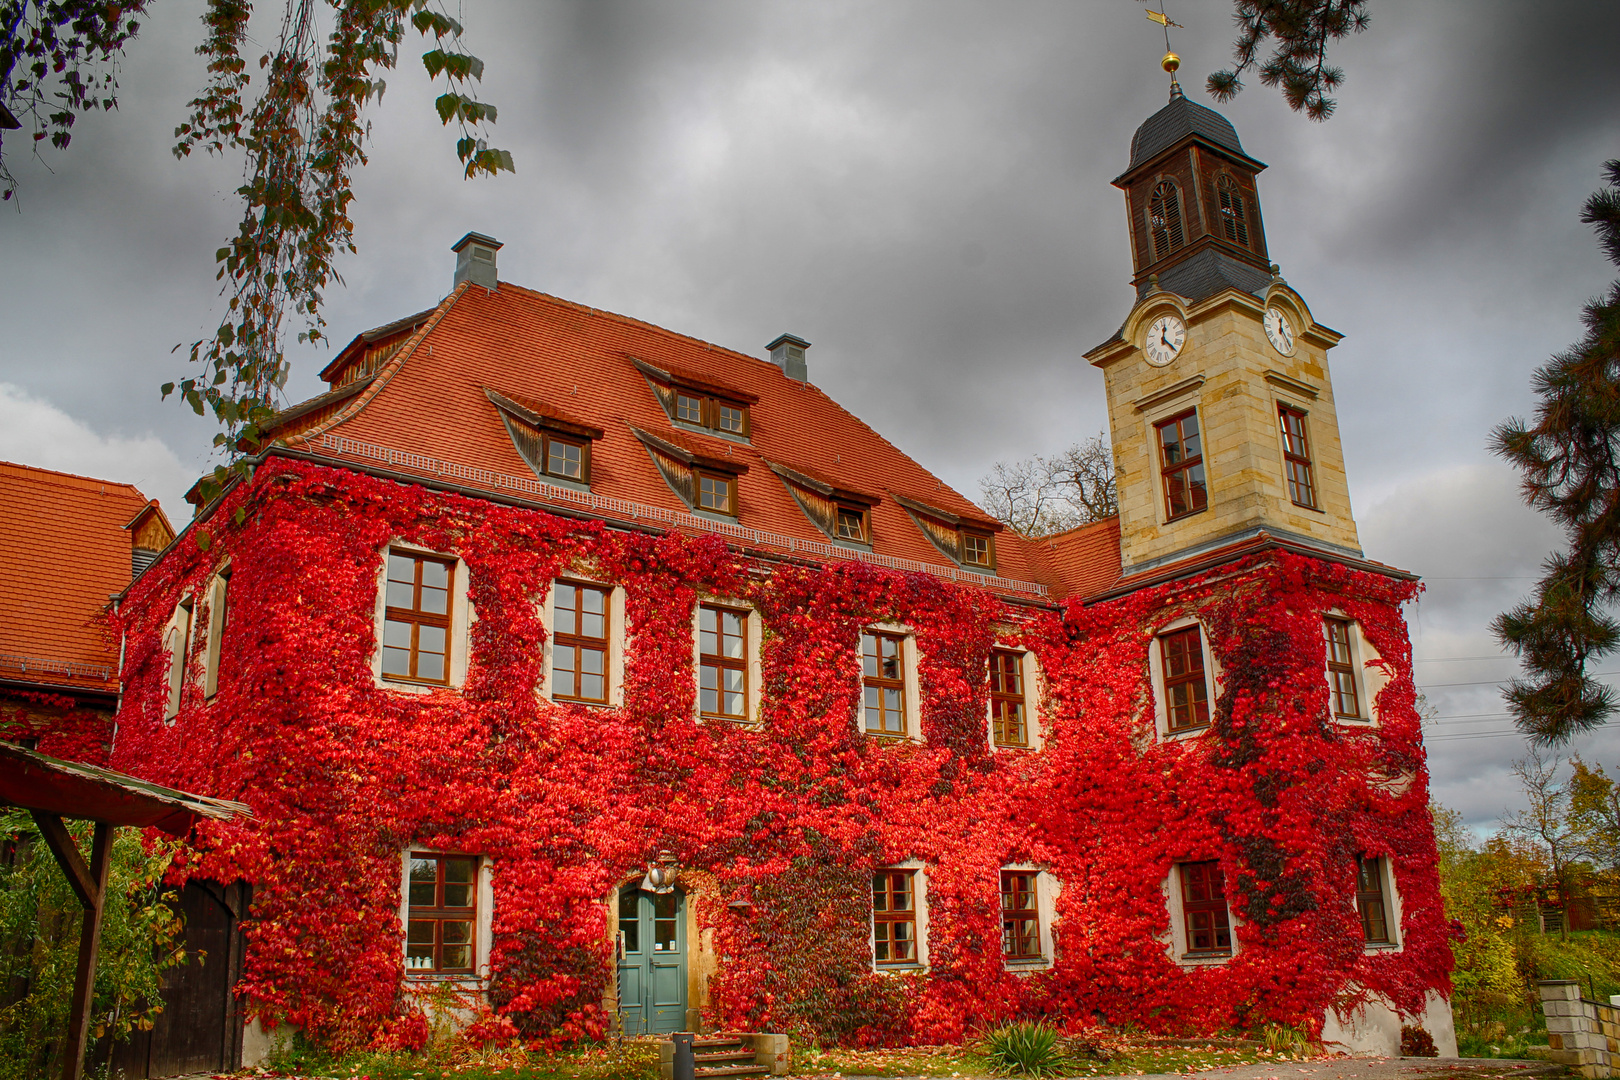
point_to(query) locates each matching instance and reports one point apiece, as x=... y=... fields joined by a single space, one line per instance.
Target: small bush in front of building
x=1025 y=1049
x=1415 y=1042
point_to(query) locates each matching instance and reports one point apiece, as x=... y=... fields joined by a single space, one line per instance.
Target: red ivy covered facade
x=569 y=802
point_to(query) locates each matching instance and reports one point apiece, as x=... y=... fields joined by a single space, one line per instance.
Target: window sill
x=1207 y=957
x=1184 y=517
x=1381 y=947
x=1186 y=733
x=713 y=433
x=714 y=515
x=412 y=686
x=1016 y=747
x=1035 y=963
x=899 y=969
x=466 y=979
x=566 y=482
x=1312 y=509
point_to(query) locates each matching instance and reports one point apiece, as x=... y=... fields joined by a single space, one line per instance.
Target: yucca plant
x=1284 y=1039
x=1026 y=1048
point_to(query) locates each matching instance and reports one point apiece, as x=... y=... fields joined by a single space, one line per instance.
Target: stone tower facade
x=1219 y=399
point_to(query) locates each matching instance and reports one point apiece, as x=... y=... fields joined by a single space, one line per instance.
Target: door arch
x=652 y=951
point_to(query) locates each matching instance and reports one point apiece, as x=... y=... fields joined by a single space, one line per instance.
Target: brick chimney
x=787 y=353
x=475 y=259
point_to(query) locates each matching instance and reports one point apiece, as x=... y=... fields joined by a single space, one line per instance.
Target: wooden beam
x=84 y=980
x=67 y=855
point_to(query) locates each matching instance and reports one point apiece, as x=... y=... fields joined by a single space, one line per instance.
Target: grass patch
x=638 y=1060
x=1125 y=1058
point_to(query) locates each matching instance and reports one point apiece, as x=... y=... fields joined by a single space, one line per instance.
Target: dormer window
x=970 y=542
x=706 y=483
x=976 y=549
x=842 y=515
x=716 y=492
x=554 y=446
x=690 y=399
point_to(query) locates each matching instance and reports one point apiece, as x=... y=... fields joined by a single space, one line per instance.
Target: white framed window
x=726 y=637
x=1014 y=700
x=900 y=916
x=177 y=643
x=1355 y=672
x=1028 y=906
x=218 y=614
x=582 y=660
x=423 y=619
x=1378 y=904
x=446 y=906
x=1203 y=929
x=890 y=702
x=1185 y=676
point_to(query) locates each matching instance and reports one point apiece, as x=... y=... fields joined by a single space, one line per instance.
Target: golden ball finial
x=1170 y=62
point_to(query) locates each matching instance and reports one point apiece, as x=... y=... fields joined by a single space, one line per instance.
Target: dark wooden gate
x=200 y=1029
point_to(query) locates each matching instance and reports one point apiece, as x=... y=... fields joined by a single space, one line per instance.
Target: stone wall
x=1582 y=1033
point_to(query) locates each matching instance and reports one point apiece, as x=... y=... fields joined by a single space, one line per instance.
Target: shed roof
x=68 y=789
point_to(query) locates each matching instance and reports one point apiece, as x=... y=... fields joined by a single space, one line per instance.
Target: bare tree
x=1039 y=496
x=1546 y=822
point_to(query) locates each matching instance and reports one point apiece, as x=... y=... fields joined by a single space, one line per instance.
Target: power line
x=1499 y=682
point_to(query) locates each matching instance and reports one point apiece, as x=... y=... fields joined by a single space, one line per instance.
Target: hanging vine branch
x=303 y=135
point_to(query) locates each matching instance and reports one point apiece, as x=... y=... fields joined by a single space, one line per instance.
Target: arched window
x=1233 y=218
x=1164 y=219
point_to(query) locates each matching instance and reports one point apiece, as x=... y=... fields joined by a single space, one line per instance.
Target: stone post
x=1583 y=1035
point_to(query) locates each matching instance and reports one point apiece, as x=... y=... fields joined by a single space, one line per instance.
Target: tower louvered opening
x=1164 y=219
x=1234 y=220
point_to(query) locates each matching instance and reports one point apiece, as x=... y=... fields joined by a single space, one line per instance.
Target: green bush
x=1025 y=1049
x=39 y=944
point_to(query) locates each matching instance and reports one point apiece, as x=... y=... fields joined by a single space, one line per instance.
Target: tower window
x=1020 y=916
x=1233 y=219
x=1341 y=668
x=1007 y=723
x=723 y=663
x=1181 y=464
x=1186 y=693
x=1297 y=457
x=1164 y=219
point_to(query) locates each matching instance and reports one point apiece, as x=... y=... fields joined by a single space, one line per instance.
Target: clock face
x=1280 y=331
x=1165 y=337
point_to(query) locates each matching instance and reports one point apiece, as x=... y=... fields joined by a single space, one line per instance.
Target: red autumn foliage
x=568 y=802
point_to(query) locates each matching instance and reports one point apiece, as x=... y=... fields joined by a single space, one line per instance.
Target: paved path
x=1345 y=1069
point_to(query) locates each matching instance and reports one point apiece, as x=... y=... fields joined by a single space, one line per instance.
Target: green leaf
x=204 y=541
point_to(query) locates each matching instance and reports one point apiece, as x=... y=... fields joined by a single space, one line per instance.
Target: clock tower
x=1219 y=402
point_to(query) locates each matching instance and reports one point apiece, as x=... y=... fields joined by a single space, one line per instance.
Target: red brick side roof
x=64 y=550
x=1086 y=560
x=429 y=399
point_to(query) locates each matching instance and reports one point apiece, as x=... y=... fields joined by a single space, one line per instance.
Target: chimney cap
x=476 y=238
x=788 y=339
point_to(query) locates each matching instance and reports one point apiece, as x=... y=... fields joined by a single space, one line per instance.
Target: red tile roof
x=429 y=400
x=1085 y=560
x=64 y=549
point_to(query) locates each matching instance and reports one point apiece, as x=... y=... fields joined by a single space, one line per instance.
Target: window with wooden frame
x=1341 y=660
x=416 y=624
x=894 y=917
x=1186 y=690
x=1234 y=220
x=716 y=492
x=1370 y=901
x=1297 y=457
x=978 y=549
x=1203 y=908
x=566 y=457
x=1164 y=219
x=883 y=682
x=1181 y=465
x=851 y=523
x=553 y=445
x=580 y=628
x=177 y=641
x=722 y=663
x=441 y=927
x=701 y=410
x=1009 y=725
x=1020 y=916
x=218 y=610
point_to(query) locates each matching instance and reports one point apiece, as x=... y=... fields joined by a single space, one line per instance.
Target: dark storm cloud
x=922 y=190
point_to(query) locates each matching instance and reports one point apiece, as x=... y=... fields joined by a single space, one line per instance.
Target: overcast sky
x=921 y=190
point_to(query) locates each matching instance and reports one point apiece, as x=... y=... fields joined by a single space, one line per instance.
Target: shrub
x=39 y=944
x=1415 y=1042
x=1283 y=1039
x=1025 y=1049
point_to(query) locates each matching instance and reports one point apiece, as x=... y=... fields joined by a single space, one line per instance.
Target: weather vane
x=1171 y=61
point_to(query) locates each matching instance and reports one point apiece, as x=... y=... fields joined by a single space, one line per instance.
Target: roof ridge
x=74 y=476
x=1076 y=529
x=385 y=374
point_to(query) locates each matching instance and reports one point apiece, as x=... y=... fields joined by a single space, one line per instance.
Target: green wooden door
x=652 y=971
